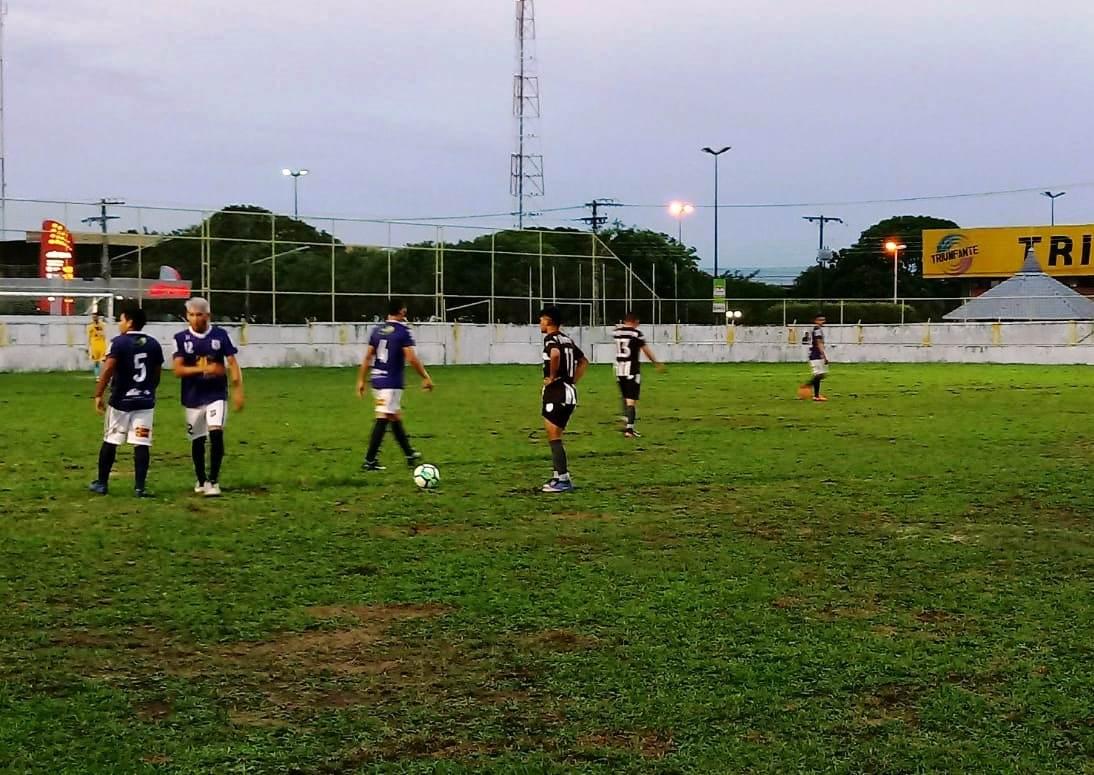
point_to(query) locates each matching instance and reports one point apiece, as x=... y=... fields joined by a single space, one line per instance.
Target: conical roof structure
x=1029 y=295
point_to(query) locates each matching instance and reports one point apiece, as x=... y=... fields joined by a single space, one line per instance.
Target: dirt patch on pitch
x=649 y=744
x=559 y=640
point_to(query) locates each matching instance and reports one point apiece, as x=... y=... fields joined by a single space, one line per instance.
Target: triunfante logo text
x=954 y=254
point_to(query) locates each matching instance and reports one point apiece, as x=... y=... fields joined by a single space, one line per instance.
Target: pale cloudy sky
x=402 y=108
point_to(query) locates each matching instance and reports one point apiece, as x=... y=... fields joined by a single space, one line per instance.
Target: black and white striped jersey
x=628 y=351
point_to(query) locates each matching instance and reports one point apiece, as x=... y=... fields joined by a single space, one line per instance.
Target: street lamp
x=295 y=175
x=715 y=154
x=895 y=247
x=1052 y=198
x=679 y=210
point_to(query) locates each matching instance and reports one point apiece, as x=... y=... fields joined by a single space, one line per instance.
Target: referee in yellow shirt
x=96 y=343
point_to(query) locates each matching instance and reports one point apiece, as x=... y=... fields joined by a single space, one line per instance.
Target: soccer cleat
x=558 y=485
x=631 y=433
x=97 y=487
x=819 y=398
x=372 y=465
x=413 y=459
x=199 y=488
x=212 y=490
x=140 y=492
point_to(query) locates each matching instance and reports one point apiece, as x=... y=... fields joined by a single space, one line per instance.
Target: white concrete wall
x=44 y=343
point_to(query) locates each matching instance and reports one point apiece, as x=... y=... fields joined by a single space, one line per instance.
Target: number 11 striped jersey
x=568 y=356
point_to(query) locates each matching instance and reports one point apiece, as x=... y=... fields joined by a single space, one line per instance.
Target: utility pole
x=821 y=220
x=3 y=151
x=103 y=219
x=596 y=220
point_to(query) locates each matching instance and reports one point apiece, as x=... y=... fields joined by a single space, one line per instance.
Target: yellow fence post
x=997 y=333
x=792 y=335
x=4 y=341
x=343 y=334
x=1072 y=333
x=927 y=335
x=859 y=334
x=731 y=333
x=243 y=333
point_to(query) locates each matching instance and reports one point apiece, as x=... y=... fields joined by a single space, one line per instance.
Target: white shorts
x=388 y=400
x=200 y=419
x=819 y=367
x=134 y=427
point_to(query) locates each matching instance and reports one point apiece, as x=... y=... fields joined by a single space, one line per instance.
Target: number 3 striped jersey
x=137 y=361
x=568 y=356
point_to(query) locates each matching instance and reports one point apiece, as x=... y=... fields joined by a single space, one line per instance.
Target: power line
x=895 y=200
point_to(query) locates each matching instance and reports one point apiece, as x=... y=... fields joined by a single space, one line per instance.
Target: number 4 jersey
x=389 y=339
x=137 y=361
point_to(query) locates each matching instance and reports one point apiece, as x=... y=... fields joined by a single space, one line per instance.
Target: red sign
x=55 y=259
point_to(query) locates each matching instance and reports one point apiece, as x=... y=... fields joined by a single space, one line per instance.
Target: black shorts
x=559 y=403
x=630 y=387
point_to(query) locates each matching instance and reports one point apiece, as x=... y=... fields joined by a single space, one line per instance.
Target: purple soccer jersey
x=389 y=339
x=137 y=361
x=214 y=346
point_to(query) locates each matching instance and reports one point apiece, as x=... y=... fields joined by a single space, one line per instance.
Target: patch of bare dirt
x=649 y=743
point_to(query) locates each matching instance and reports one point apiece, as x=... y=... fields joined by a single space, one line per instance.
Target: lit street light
x=716 y=154
x=679 y=210
x=895 y=248
x=1052 y=198
x=295 y=175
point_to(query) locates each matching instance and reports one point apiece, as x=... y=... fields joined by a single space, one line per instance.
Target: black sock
x=632 y=414
x=816 y=385
x=197 y=452
x=378 y=431
x=107 y=453
x=142 y=459
x=401 y=437
x=558 y=455
x=216 y=454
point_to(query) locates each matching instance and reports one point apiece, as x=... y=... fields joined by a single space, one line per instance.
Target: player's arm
x=580 y=367
x=821 y=347
x=649 y=354
x=555 y=362
x=182 y=370
x=362 y=373
x=412 y=358
x=104 y=379
x=237 y=382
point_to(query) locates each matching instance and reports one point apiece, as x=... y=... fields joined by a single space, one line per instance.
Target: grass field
x=897 y=581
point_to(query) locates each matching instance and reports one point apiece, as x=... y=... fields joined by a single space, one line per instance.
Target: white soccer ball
x=427 y=476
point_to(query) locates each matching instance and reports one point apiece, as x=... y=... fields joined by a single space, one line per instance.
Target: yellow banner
x=999 y=252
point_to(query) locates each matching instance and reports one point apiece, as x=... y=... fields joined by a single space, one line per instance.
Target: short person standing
x=563 y=367
x=204 y=357
x=818 y=361
x=132 y=371
x=96 y=343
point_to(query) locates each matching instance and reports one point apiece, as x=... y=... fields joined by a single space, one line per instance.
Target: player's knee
x=216 y=429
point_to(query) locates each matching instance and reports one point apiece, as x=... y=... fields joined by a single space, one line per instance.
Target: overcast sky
x=401 y=108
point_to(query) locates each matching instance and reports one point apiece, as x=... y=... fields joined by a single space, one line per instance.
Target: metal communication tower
x=526 y=164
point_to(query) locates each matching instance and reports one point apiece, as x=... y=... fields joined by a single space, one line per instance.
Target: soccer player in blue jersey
x=390 y=348
x=204 y=358
x=132 y=370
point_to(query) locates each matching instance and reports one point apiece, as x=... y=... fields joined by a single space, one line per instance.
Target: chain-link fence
x=268 y=268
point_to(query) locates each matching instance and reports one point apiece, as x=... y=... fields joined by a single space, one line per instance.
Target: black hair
x=553 y=314
x=395 y=306
x=135 y=315
x=630 y=317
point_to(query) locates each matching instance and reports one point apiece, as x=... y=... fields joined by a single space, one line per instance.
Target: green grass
x=897 y=581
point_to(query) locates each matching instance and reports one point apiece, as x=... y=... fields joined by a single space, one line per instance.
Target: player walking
x=204 y=357
x=629 y=347
x=818 y=361
x=563 y=367
x=390 y=348
x=132 y=370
